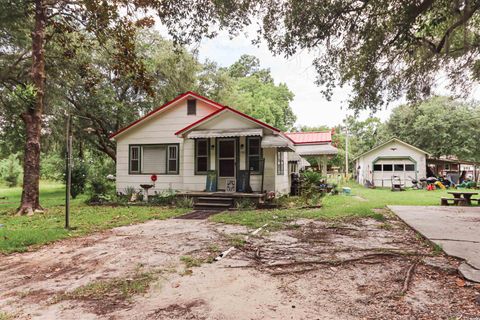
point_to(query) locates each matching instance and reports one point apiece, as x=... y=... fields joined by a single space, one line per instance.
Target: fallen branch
x=338 y=261
x=224 y=253
x=333 y=262
x=408 y=277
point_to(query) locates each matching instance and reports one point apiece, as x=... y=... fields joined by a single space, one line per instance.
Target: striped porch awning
x=224 y=133
x=316 y=150
x=273 y=141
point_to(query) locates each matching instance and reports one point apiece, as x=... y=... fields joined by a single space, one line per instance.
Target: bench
x=475 y=200
x=454 y=201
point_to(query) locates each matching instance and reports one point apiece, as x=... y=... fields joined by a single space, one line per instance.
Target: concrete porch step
x=213 y=204
x=215 y=199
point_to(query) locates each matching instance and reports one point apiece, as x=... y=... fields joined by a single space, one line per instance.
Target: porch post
x=324 y=166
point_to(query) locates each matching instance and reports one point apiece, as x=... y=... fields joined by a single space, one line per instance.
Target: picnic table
x=463 y=196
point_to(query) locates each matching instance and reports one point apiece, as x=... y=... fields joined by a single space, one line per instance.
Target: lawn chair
x=397 y=184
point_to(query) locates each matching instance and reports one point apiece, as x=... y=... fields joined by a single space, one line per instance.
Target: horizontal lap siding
x=161 y=129
x=269 y=172
x=399 y=150
x=281 y=181
x=190 y=180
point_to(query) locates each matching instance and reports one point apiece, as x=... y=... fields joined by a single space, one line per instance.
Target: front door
x=227 y=150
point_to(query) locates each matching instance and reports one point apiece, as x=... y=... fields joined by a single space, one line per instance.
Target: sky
x=309 y=105
x=297 y=72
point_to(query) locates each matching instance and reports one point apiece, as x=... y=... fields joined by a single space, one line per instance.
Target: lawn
x=19 y=233
x=361 y=203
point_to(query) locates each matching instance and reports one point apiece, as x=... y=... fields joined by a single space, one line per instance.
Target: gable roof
x=220 y=111
x=180 y=97
x=310 y=137
x=389 y=141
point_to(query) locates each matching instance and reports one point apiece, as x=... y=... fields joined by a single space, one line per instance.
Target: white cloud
x=297 y=72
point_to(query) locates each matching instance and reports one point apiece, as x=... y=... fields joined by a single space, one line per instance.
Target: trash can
x=347 y=190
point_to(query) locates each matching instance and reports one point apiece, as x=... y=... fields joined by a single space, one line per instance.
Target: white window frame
x=138 y=159
x=139 y=147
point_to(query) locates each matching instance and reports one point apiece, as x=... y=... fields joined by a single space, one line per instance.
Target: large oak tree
x=55 y=21
x=382 y=49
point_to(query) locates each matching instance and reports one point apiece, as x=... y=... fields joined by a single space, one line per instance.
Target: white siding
x=270 y=170
x=227 y=120
x=393 y=153
x=281 y=181
x=161 y=129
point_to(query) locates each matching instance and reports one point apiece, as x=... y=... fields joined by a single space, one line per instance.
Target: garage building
x=394 y=158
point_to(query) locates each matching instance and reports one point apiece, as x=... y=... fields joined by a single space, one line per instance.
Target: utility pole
x=68 y=162
x=346 y=152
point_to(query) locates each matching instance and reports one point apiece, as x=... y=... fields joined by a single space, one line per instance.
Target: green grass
x=51 y=194
x=361 y=203
x=19 y=233
x=191 y=262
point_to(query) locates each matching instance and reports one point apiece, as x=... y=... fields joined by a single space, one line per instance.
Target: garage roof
x=392 y=140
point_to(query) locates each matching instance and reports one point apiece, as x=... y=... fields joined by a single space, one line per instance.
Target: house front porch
x=219 y=200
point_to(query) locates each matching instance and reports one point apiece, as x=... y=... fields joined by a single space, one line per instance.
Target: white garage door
x=385 y=169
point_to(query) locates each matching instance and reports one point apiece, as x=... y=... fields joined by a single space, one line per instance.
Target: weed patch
x=5 y=316
x=105 y=296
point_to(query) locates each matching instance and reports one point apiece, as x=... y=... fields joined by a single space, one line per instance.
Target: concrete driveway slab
x=455 y=229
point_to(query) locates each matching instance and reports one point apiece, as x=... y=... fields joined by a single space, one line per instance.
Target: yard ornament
x=153 y=177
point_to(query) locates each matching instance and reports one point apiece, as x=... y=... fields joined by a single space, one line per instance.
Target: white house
x=392 y=158
x=185 y=139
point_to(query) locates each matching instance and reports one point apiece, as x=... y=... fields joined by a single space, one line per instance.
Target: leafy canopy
x=249 y=88
x=382 y=49
x=440 y=125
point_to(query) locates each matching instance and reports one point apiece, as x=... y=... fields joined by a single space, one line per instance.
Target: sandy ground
x=362 y=269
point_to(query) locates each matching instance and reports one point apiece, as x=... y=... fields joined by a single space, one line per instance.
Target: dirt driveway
x=362 y=269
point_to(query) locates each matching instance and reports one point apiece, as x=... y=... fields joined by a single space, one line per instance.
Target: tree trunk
x=32 y=118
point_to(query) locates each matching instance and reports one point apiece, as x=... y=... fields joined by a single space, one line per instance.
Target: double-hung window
x=280 y=163
x=172 y=166
x=201 y=156
x=254 y=154
x=154 y=159
x=135 y=159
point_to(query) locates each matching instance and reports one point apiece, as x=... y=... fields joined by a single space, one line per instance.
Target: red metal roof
x=178 y=98
x=309 y=137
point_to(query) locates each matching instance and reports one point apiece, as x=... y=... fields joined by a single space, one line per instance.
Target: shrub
x=245 y=204
x=129 y=191
x=52 y=167
x=311 y=177
x=10 y=170
x=100 y=190
x=163 y=198
x=79 y=178
x=184 y=202
x=310 y=192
